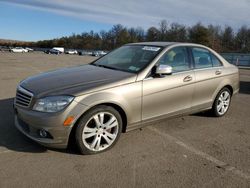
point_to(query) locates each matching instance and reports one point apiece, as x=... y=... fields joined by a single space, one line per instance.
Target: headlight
x=52 y=103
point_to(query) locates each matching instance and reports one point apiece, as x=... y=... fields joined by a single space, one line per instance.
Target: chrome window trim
x=174 y=73
x=207 y=68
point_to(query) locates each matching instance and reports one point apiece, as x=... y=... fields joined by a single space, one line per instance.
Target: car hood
x=75 y=80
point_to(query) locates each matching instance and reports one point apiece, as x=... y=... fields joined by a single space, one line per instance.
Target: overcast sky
x=103 y=14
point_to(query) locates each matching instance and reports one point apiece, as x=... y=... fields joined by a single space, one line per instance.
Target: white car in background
x=19 y=50
x=99 y=53
x=29 y=49
x=60 y=49
x=71 y=52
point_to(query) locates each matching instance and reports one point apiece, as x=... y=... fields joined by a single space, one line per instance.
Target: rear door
x=171 y=94
x=208 y=74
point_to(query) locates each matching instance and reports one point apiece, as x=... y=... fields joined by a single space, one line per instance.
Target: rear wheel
x=98 y=130
x=222 y=102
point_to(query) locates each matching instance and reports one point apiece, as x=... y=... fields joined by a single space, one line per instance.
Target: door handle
x=187 y=78
x=218 y=72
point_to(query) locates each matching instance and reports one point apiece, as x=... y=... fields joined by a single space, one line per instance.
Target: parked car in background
x=4 y=48
x=61 y=49
x=18 y=50
x=84 y=52
x=128 y=88
x=98 y=53
x=71 y=52
x=53 y=51
x=29 y=49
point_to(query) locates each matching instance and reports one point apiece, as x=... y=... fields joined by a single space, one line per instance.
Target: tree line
x=221 y=39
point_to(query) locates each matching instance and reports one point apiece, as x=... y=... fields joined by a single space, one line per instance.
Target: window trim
x=210 y=55
x=188 y=58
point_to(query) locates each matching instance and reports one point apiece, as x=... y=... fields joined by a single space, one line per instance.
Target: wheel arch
x=115 y=106
x=121 y=112
x=229 y=86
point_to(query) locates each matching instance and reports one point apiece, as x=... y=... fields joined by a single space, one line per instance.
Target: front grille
x=23 y=97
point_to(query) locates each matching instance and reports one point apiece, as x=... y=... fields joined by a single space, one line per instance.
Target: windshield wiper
x=105 y=66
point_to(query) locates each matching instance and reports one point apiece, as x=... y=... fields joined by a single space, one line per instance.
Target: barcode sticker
x=151 y=48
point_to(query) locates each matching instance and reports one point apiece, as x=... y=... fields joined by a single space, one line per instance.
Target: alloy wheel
x=100 y=131
x=223 y=102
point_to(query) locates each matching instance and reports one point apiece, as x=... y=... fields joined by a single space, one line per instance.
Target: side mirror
x=163 y=70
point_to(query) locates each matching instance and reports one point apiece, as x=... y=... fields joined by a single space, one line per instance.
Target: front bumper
x=59 y=143
x=29 y=122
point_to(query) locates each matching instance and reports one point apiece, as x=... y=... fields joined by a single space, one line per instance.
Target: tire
x=98 y=130
x=222 y=103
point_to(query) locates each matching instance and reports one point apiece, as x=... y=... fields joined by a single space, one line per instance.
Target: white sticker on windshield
x=151 y=48
x=133 y=68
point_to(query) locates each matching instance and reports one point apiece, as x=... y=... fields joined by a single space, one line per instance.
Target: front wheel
x=98 y=130
x=222 y=102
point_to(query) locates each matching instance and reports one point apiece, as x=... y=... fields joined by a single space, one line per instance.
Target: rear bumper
x=236 y=91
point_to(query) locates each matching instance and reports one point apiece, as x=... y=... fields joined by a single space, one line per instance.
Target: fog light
x=43 y=133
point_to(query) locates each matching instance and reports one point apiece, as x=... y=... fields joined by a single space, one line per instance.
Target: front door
x=171 y=94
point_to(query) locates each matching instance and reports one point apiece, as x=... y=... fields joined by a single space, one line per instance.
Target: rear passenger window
x=177 y=58
x=215 y=60
x=202 y=58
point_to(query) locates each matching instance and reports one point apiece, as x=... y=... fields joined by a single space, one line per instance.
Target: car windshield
x=132 y=58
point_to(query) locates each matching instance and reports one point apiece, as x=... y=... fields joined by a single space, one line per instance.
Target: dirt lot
x=191 y=151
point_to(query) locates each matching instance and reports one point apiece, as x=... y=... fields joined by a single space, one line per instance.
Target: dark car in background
x=84 y=52
x=53 y=51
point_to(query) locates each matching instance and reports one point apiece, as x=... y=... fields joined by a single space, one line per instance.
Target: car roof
x=163 y=44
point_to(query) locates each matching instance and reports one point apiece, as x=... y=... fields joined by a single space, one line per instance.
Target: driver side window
x=177 y=58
